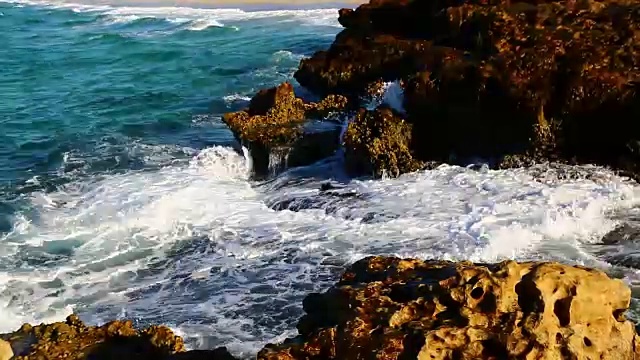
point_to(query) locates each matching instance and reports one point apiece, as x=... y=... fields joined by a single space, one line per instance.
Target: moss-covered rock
x=377 y=142
x=273 y=127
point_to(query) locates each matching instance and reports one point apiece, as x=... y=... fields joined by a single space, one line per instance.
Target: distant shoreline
x=243 y=4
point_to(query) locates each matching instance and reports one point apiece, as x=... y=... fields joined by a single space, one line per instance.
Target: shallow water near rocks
x=124 y=196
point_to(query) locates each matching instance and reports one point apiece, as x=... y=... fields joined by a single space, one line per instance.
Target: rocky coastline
x=512 y=83
x=399 y=309
x=507 y=83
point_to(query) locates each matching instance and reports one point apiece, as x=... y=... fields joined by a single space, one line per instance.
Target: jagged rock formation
x=389 y=308
x=377 y=142
x=512 y=82
x=274 y=124
x=73 y=339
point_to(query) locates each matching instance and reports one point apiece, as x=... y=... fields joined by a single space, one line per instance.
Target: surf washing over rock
x=372 y=212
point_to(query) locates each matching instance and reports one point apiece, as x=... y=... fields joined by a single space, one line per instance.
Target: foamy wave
x=195 y=245
x=122 y=19
x=214 y=17
x=111 y=228
x=390 y=94
x=236 y=98
x=199 y=25
x=286 y=55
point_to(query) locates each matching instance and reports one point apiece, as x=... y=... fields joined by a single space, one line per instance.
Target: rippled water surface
x=123 y=195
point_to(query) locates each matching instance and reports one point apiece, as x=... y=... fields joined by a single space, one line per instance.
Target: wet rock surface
x=516 y=83
x=620 y=247
x=378 y=142
x=622 y=234
x=73 y=339
x=389 y=308
x=273 y=129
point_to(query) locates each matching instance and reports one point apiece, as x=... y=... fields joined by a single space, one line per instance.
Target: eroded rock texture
x=530 y=81
x=388 y=308
x=273 y=127
x=73 y=339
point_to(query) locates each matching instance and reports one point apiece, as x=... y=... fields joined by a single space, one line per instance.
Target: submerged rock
x=73 y=339
x=529 y=81
x=389 y=308
x=273 y=129
x=621 y=234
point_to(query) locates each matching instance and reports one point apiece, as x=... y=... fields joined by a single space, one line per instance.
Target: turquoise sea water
x=82 y=87
x=122 y=194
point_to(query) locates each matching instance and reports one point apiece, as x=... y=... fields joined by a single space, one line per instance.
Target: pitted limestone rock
x=388 y=308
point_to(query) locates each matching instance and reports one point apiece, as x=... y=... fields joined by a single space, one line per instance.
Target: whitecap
x=287 y=55
x=236 y=98
x=202 y=24
x=316 y=17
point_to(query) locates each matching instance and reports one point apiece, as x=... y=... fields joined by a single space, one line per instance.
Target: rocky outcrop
x=512 y=82
x=389 y=308
x=377 y=142
x=273 y=128
x=73 y=339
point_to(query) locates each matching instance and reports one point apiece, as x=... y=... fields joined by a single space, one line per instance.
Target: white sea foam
x=287 y=55
x=214 y=17
x=195 y=244
x=202 y=24
x=236 y=98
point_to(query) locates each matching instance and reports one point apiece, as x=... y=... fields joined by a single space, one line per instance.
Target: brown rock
x=356 y=60
x=6 y=352
x=532 y=80
x=115 y=340
x=74 y=340
x=388 y=308
x=377 y=142
x=274 y=127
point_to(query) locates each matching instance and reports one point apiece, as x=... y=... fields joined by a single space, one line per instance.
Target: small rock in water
x=328 y=186
x=630 y=260
x=622 y=233
x=6 y=352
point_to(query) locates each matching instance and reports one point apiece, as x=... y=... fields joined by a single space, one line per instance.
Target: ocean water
x=122 y=194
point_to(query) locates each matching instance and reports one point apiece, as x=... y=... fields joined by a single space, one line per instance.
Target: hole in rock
x=477 y=293
x=558 y=338
x=562 y=309
x=618 y=314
